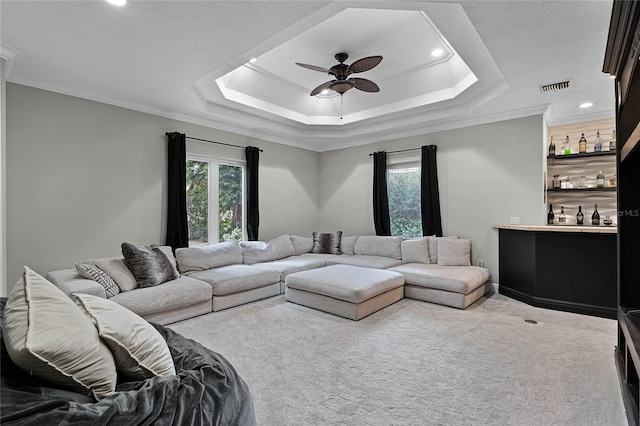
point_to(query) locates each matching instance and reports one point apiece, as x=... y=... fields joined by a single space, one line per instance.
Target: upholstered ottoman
x=348 y=291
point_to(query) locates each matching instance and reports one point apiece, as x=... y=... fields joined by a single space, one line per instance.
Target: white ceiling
x=164 y=57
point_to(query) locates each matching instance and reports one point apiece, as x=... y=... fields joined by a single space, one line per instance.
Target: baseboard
x=560 y=305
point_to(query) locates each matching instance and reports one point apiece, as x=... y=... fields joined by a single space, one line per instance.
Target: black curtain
x=380 y=198
x=177 y=229
x=429 y=193
x=253 y=214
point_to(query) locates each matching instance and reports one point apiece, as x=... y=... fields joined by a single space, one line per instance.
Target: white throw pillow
x=433 y=247
x=138 y=349
x=454 y=252
x=415 y=250
x=116 y=269
x=48 y=336
x=347 y=245
x=259 y=251
x=301 y=245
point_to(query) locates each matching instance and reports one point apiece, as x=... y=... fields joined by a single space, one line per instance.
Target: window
x=403 y=187
x=215 y=200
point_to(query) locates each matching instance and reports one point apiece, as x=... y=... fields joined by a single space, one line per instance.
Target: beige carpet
x=416 y=363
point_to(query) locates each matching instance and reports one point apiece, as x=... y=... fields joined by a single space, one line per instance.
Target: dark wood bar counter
x=568 y=268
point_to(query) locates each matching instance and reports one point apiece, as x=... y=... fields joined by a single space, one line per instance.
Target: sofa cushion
x=212 y=256
x=260 y=251
x=375 y=245
x=454 y=252
x=458 y=279
x=376 y=262
x=327 y=242
x=347 y=244
x=148 y=264
x=233 y=279
x=49 y=337
x=96 y=274
x=175 y=294
x=291 y=265
x=138 y=349
x=415 y=250
x=116 y=269
x=433 y=247
x=301 y=245
x=69 y=281
x=320 y=256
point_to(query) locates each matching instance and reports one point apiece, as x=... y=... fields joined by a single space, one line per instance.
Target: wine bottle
x=595 y=217
x=562 y=219
x=600 y=180
x=582 y=146
x=552 y=148
x=567 y=146
x=597 y=147
x=580 y=216
x=612 y=143
x=550 y=215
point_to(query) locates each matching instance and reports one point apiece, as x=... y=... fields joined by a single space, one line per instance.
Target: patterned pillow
x=326 y=243
x=98 y=275
x=148 y=264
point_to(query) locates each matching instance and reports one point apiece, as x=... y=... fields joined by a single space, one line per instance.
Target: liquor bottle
x=550 y=215
x=612 y=144
x=580 y=216
x=552 y=148
x=595 y=217
x=600 y=180
x=607 y=220
x=597 y=147
x=567 y=146
x=562 y=219
x=582 y=146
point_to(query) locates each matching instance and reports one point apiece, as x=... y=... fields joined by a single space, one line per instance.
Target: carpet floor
x=417 y=363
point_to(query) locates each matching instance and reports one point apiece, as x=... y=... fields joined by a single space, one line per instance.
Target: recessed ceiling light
x=118 y=2
x=586 y=105
x=437 y=53
x=252 y=60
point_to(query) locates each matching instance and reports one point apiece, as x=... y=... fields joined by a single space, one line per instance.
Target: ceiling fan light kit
x=341 y=72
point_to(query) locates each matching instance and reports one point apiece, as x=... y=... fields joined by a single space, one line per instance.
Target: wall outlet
x=481 y=263
x=514 y=220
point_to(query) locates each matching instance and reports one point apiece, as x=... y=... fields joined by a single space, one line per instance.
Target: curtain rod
x=219 y=143
x=400 y=150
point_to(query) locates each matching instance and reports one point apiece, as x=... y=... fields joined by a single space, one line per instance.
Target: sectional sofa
x=223 y=275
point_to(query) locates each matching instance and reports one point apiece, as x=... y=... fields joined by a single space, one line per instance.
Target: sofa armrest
x=69 y=281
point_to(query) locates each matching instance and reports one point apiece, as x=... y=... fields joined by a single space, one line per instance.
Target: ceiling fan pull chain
x=341 y=102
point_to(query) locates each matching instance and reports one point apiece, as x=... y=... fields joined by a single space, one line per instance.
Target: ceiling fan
x=341 y=72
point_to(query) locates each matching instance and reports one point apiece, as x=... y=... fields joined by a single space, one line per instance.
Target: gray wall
x=486 y=173
x=83 y=177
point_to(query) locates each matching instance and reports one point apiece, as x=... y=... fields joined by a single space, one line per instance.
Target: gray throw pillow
x=148 y=264
x=454 y=252
x=326 y=243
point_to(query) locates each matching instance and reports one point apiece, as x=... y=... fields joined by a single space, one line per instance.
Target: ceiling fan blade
x=314 y=67
x=365 y=64
x=320 y=88
x=365 y=85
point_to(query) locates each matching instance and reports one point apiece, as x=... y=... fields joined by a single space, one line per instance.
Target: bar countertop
x=561 y=228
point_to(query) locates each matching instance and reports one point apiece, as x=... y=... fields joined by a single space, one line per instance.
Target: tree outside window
x=214 y=201
x=403 y=187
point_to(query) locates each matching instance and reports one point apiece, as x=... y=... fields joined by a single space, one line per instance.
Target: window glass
x=403 y=187
x=215 y=201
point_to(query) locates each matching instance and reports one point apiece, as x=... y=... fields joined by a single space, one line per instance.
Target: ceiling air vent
x=556 y=87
